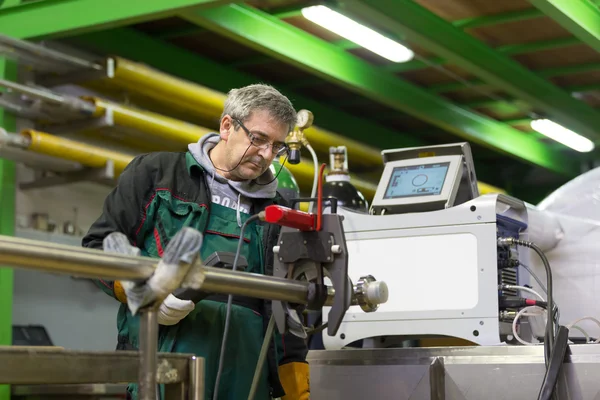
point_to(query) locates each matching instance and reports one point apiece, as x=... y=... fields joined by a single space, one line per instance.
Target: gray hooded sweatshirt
x=236 y=195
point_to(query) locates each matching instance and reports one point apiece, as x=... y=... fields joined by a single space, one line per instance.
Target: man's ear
x=226 y=127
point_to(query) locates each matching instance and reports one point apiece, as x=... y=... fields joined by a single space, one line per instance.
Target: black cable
x=550 y=332
x=278 y=172
x=236 y=165
x=556 y=362
x=229 y=302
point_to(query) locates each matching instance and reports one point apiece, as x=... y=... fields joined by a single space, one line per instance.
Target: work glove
x=295 y=379
x=172 y=310
x=178 y=257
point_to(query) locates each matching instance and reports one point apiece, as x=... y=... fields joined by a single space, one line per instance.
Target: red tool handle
x=285 y=216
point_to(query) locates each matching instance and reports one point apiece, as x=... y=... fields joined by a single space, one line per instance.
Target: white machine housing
x=441 y=268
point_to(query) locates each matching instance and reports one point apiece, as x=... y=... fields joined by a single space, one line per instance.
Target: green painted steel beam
x=551 y=44
x=511 y=49
x=187 y=65
x=418 y=25
x=589 y=87
x=271 y=36
x=569 y=70
x=502 y=18
x=179 y=32
x=59 y=18
x=414 y=64
x=580 y=17
x=546 y=72
x=8 y=71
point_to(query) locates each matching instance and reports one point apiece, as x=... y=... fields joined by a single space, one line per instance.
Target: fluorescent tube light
x=357 y=33
x=562 y=135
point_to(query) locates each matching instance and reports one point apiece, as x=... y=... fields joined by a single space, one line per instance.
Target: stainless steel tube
x=62 y=259
x=91 y=263
x=148 y=352
x=196 y=379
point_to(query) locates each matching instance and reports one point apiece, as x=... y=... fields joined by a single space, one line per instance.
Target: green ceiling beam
x=589 y=87
x=503 y=18
x=520 y=48
x=569 y=70
x=548 y=72
x=580 y=17
x=418 y=25
x=511 y=49
x=178 y=32
x=187 y=65
x=59 y=18
x=271 y=36
x=414 y=64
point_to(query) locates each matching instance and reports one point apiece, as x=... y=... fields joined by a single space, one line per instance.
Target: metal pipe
x=148 y=354
x=196 y=379
x=69 y=103
x=75 y=261
x=157 y=125
x=92 y=263
x=45 y=54
x=85 y=154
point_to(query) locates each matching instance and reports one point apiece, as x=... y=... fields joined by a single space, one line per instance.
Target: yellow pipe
x=159 y=126
x=484 y=188
x=90 y=156
x=209 y=103
x=164 y=87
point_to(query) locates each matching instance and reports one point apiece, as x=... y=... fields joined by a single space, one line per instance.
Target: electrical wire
x=534 y=275
x=525 y=289
x=543 y=287
x=574 y=326
x=313 y=192
x=524 y=312
x=229 y=303
x=550 y=331
x=262 y=357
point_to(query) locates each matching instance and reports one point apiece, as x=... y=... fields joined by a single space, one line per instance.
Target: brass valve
x=296 y=139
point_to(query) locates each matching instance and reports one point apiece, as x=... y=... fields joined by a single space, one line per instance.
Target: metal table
x=182 y=374
x=450 y=373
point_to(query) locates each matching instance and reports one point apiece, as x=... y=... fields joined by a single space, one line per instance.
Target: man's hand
x=173 y=310
x=179 y=255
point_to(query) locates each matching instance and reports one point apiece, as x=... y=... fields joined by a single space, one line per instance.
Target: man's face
x=254 y=159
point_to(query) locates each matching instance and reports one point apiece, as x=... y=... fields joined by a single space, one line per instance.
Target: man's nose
x=266 y=152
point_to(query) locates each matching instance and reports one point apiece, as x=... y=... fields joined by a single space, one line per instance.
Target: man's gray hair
x=240 y=104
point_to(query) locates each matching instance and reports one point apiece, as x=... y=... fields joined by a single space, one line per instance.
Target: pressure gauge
x=304 y=119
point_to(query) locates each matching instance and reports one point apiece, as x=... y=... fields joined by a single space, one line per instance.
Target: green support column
x=7 y=223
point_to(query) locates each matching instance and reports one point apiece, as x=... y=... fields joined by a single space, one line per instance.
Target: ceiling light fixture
x=562 y=135
x=357 y=33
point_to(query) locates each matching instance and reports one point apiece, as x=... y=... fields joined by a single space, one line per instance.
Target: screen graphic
x=417 y=180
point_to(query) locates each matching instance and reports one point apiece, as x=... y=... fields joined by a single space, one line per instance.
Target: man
x=214 y=187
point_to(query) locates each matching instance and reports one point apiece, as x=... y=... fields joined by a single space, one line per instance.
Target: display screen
x=417 y=180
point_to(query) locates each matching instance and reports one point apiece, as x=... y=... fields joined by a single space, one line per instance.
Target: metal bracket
x=105 y=175
x=294 y=248
x=69 y=128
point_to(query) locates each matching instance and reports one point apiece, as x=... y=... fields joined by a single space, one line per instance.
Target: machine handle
x=285 y=216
